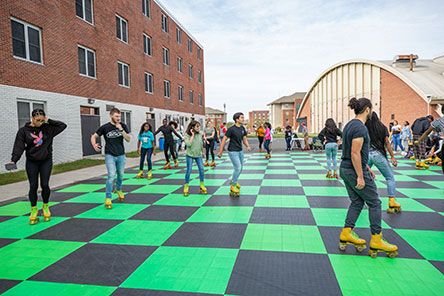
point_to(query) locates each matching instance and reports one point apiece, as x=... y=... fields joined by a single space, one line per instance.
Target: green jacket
x=194 y=149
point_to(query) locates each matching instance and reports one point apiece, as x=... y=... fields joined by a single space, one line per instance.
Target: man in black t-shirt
x=168 y=144
x=114 y=133
x=237 y=135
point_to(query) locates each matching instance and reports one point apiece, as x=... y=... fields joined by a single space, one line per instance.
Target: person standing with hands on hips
x=114 y=133
x=237 y=135
x=36 y=138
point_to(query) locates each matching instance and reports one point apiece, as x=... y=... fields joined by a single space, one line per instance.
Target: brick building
x=215 y=116
x=282 y=110
x=257 y=118
x=403 y=89
x=77 y=59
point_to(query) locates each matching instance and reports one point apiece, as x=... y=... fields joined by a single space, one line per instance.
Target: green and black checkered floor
x=279 y=238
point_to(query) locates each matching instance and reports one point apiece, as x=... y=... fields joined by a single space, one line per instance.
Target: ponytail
x=359 y=105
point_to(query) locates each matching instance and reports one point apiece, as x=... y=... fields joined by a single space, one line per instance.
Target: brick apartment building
x=78 y=58
x=282 y=110
x=403 y=89
x=257 y=118
x=215 y=116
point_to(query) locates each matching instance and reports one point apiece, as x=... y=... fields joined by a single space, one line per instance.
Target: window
x=200 y=99
x=199 y=76
x=298 y=105
x=179 y=36
x=191 y=97
x=126 y=119
x=24 y=110
x=149 y=83
x=180 y=92
x=198 y=53
x=122 y=29
x=179 y=64
x=190 y=71
x=166 y=56
x=164 y=23
x=166 y=89
x=123 y=70
x=190 y=46
x=147 y=49
x=87 y=62
x=26 y=41
x=286 y=105
x=146 y=9
x=84 y=10
x=286 y=120
x=286 y=113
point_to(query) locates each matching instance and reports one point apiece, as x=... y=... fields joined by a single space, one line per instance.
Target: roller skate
x=206 y=163
x=378 y=244
x=349 y=237
x=437 y=160
x=423 y=165
x=234 y=191
x=120 y=194
x=394 y=207
x=266 y=156
x=329 y=175
x=140 y=175
x=46 y=213
x=150 y=175
x=428 y=160
x=33 y=219
x=176 y=163
x=412 y=157
x=335 y=175
x=261 y=150
x=203 y=189
x=213 y=164
x=238 y=186
x=108 y=203
x=167 y=165
x=185 y=189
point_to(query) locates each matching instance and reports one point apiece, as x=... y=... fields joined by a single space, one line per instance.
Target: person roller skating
x=349 y=237
x=378 y=244
x=421 y=129
x=237 y=135
x=267 y=139
x=329 y=136
x=194 y=151
x=359 y=179
x=209 y=141
x=46 y=213
x=146 y=146
x=168 y=129
x=394 y=207
x=33 y=219
x=108 y=203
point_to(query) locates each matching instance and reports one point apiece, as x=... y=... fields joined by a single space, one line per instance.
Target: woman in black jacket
x=329 y=136
x=36 y=139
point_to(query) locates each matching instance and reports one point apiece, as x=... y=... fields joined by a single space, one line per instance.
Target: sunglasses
x=40 y=120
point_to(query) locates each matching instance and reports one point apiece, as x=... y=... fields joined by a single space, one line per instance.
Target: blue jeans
x=146 y=152
x=200 y=166
x=288 y=140
x=267 y=146
x=237 y=158
x=397 y=141
x=376 y=158
x=114 y=164
x=331 y=149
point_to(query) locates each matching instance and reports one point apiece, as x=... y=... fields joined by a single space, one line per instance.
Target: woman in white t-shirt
x=396 y=135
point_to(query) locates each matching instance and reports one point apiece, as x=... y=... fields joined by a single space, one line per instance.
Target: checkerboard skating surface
x=280 y=237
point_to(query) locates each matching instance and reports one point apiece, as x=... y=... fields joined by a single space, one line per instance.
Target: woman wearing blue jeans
x=396 y=135
x=379 y=144
x=194 y=147
x=329 y=135
x=237 y=135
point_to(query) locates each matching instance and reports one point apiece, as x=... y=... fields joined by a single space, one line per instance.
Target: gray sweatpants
x=368 y=195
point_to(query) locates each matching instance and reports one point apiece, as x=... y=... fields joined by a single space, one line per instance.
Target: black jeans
x=33 y=170
x=261 y=141
x=172 y=149
x=209 y=148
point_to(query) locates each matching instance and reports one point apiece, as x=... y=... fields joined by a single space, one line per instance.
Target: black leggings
x=261 y=141
x=34 y=169
x=171 y=146
x=209 y=148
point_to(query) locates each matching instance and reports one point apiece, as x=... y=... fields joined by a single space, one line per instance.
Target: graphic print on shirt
x=38 y=140
x=114 y=134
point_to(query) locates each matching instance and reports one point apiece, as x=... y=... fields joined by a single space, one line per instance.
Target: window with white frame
x=190 y=46
x=199 y=76
x=123 y=70
x=24 y=110
x=146 y=8
x=164 y=23
x=166 y=89
x=179 y=64
x=166 y=56
x=200 y=99
x=180 y=93
x=190 y=71
x=147 y=48
x=26 y=41
x=87 y=61
x=179 y=35
x=149 y=84
x=84 y=10
x=199 y=53
x=126 y=118
x=122 y=29
x=191 y=97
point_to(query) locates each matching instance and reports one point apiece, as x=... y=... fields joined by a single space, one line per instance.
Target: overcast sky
x=258 y=50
